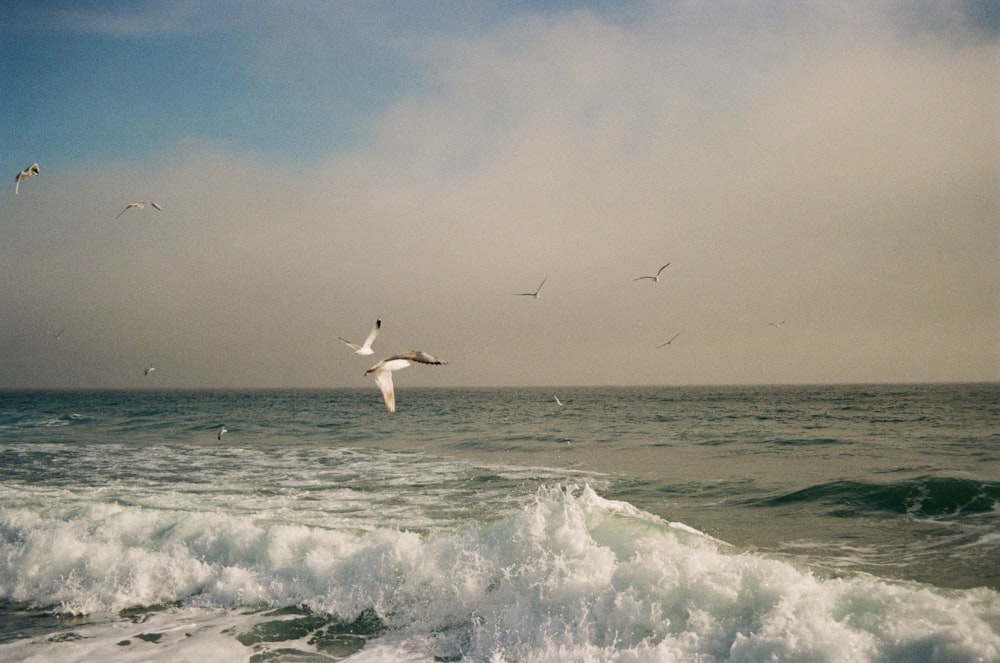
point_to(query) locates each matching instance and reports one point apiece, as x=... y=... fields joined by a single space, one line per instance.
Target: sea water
x=834 y=523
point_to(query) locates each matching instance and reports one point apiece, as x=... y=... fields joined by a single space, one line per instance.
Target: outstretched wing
x=354 y=346
x=384 y=381
x=373 y=334
x=418 y=356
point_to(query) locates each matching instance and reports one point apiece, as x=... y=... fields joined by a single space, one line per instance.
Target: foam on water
x=571 y=576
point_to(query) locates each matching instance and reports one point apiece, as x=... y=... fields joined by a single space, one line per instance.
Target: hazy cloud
x=831 y=170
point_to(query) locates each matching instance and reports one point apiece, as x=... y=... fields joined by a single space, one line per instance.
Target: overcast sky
x=832 y=166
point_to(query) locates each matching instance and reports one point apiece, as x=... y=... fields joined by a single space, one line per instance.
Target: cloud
x=842 y=178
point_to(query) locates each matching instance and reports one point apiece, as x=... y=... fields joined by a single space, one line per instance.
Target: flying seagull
x=149 y=370
x=668 y=342
x=223 y=431
x=365 y=349
x=25 y=174
x=139 y=205
x=534 y=294
x=383 y=372
x=654 y=279
x=776 y=325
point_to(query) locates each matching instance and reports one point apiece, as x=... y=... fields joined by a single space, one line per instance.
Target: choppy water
x=841 y=523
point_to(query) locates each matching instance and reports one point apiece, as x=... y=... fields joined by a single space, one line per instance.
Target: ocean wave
x=927 y=496
x=571 y=576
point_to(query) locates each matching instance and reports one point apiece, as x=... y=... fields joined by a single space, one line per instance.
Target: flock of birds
x=383 y=370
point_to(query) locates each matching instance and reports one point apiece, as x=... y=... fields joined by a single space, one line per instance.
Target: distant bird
x=558 y=402
x=668 y=342
x=654 y=279
x=58 y=336
x=776 y=325
x=534 y=294
x=139 y=205
x=383 y=372
x=365 y=349
x=223 y=431
x=25 y=174
x=149 y=370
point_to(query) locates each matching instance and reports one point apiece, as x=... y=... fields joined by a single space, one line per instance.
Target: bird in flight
x=365 y=349
x=223 y=431
x=149 y=370
x=25 y=174
x=776 y=325
x=382 y=372
x=533 y=295
x=139 y=205
x=654 y=279
x=668 y=342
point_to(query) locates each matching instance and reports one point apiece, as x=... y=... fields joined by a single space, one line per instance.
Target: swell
x=925 y=496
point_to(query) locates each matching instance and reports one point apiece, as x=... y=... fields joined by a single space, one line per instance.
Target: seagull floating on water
x=139 y=205
x=383 y=372
x=533 y=295
x=365 y=349
x=668 y=342
x=25 y=174
x=149 y=370
x=654 y=279
x=223 y=431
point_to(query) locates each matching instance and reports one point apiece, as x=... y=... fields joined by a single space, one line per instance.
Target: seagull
x=25 y=174
x=654 y=279
x=383 y=372
x=776 y=325
x=58 y=336
x=223 y=431
x=139 y=205
x=365 y=349
x=534 y=294
x=558 y=402
x=668 y=342
x=149 y=370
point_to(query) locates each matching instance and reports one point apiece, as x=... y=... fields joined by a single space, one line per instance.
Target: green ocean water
x=497 y=524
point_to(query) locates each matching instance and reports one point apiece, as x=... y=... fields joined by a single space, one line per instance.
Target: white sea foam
x=570 y=577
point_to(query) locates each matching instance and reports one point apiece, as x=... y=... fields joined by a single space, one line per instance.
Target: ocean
x=803 y=523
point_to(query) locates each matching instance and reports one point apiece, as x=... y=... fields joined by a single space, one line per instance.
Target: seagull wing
x=663 y=268
x=643 y=277
x=155 y=205
x=418 y=356
x=539 y=288
x=372 y=334
x=354 y=346
x=383 y=379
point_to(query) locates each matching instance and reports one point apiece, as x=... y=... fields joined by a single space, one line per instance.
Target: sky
x=834 y=167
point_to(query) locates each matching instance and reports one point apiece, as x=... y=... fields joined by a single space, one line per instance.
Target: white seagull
x=223 y=431
x=534 y=294
x=654 y=279
x=365 y=349
x=25 y=174
x=149 y=370
x=776 y=325
x=668 y=342
x=139 y=205
x=383 y=372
